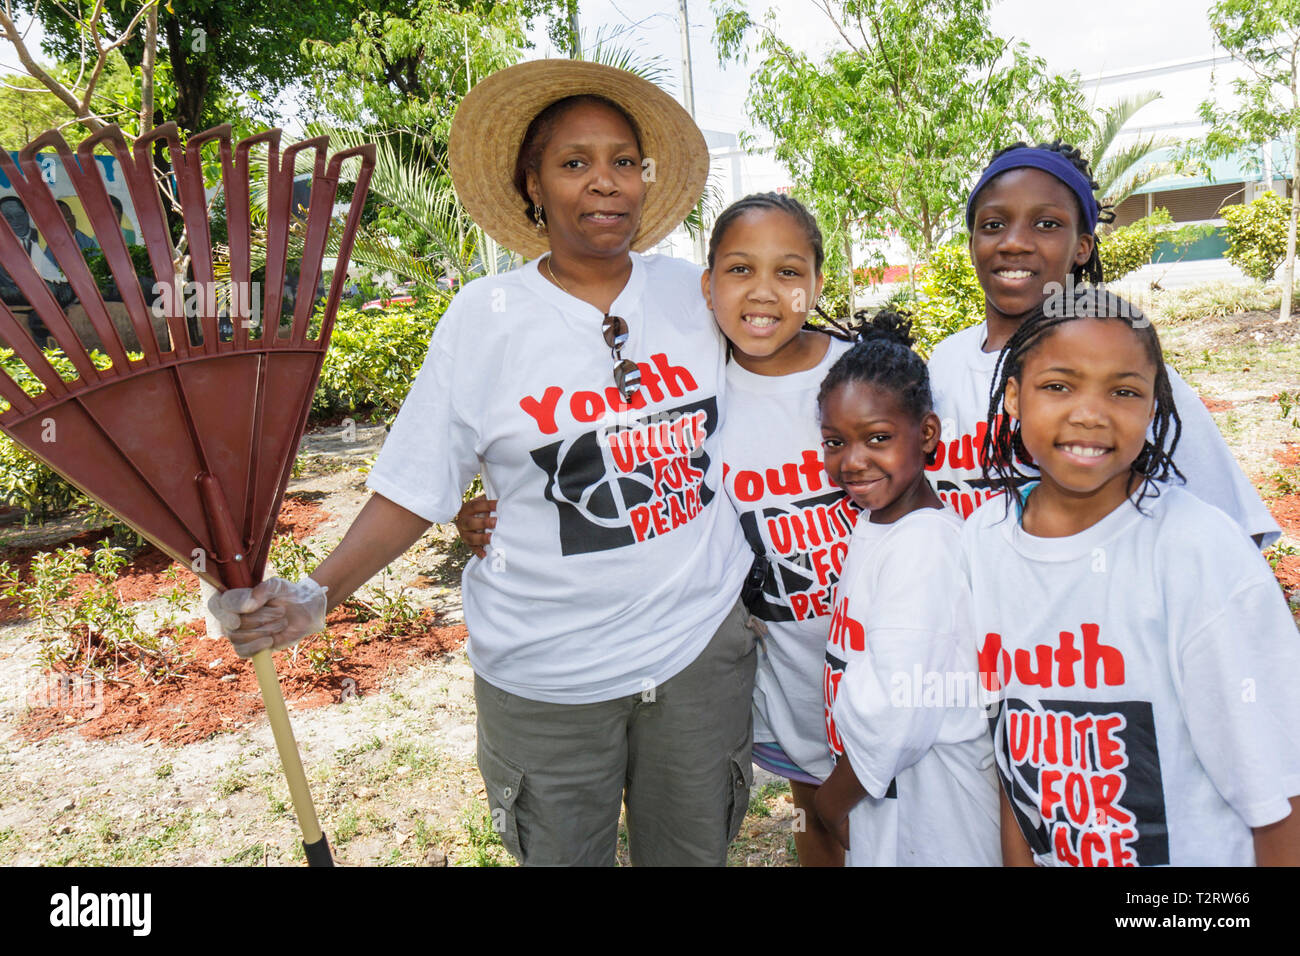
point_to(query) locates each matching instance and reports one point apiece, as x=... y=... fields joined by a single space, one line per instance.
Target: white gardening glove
x=272 y=615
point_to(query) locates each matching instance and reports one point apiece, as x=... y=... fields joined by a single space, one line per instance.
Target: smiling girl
x=1145 y=659
x=764 y=275
x=1033 y=223
x=913 y=781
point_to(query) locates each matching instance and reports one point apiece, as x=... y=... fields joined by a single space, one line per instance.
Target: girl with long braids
x=1144 y=659
x=1033 y=218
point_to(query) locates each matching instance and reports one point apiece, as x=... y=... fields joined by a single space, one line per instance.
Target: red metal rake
x=191 y=443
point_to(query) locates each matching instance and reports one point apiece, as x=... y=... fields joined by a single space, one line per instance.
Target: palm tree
x=1121 y=172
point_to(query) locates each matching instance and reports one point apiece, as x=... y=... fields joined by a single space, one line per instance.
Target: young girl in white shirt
x=913 y=784
x=1033 y=221
x=764 y=274
x=1144 y=658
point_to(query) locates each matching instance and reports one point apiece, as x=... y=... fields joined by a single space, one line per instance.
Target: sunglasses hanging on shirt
x=627 y=376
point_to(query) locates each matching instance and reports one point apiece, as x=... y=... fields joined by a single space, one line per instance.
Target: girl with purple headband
x=1033 y=218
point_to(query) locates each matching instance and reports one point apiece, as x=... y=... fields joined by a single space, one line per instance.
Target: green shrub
x=26 y=482
x=373 y=358
x=1257 y=235
x=951 y=297
x=98 y=267
x=1130 y=247
x=836 y=296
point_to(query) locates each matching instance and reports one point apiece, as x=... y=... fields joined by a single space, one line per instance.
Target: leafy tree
x=215 y=50
x=1264 y=37
x=894 y=124
x=407 y=69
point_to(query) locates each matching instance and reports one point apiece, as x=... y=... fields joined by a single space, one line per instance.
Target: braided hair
x=882 y=356
x=1089 y=271
x=1003 y=448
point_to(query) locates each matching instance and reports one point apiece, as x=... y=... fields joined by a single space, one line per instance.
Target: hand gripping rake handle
x=314 y=843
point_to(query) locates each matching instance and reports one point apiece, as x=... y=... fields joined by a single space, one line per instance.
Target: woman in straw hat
x=612 y=662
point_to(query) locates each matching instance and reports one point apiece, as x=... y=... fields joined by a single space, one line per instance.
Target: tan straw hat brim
x=489 y=128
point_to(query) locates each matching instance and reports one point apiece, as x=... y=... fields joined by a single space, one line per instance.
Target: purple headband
x=1052 y=163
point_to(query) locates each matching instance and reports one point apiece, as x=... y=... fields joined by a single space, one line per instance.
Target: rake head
x=192 y=442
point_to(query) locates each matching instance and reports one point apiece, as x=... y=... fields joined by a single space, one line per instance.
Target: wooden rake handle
x=314 y=843
x=236 y=570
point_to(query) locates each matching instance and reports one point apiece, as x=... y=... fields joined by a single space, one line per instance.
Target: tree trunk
x=1288 y=268
x=147 y=71
x=848 y=258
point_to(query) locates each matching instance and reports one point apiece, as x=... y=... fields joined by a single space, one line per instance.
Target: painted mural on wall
x=30 y=238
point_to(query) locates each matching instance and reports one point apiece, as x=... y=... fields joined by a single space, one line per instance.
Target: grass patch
x=231 y=783
x=348 y=756
x=163 y=772
x=485 y=846
x=249 y=856
x=1216 y=300
x=1286 y=481
x=348 y=825
x=275 y=803
x=760 y=799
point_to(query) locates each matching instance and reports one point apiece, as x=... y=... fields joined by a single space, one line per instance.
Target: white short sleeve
x=1237 y=675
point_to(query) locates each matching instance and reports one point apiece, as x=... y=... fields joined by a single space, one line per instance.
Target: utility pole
x=575 y=42
x=688 y=98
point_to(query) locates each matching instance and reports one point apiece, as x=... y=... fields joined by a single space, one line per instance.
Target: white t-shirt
x=1149 y=666
x=615 y=558
x=902 y=699
x=790 y=511
x=961 y=377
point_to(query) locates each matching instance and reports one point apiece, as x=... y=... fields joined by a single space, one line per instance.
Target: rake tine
x=239 y=225
x=279 y=194
x=44 y=211
x=355 y=208
x=147 y=198
x=112 y=243
x=319 y=217
x=188 y=169
x=11 y=392
x=23 y=272
x=64 y=245
x=192 y=190
x=320 y=145
x=19 y=340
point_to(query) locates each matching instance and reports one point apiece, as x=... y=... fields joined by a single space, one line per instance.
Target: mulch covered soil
x=143 y=578
x=1288 y=455
x=1286 y=511
x=218 y=691
x=1216 y=404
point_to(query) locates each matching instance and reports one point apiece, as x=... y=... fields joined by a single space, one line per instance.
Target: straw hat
x=489 y=128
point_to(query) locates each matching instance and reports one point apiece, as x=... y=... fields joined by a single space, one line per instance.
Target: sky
x=1108 y=35
x=1112 y=34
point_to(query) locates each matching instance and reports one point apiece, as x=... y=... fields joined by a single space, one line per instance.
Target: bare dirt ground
x=187 y=773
